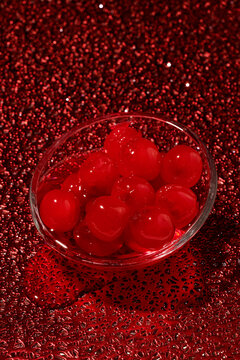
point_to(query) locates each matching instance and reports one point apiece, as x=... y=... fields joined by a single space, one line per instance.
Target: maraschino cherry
x=60 y=210
x=98 y=173
x=182 y=165
x=140 y=157
x=107 y=217
x=150 y=229
x=74 y=183
x=180 y=201
x=136 y=192
x=118 y=138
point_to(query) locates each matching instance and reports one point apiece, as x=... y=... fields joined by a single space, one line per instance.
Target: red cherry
x=150 y=229
x=60 y=210
x=181 y=203
x=140 y=158
x=107 y=217
x=90 y=244
x=98 y=173
x=134 y=191
x=182 y=165
x=117 y=138
x=74 y=183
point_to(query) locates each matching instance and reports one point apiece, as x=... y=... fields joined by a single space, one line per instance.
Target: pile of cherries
x=127 y=193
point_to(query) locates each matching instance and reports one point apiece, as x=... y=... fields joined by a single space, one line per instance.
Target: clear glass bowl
x=84 y=138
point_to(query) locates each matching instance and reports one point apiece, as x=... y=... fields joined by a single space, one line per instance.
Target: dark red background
x=67 y=61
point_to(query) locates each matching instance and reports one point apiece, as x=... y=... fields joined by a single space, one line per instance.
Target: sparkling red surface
x=67 y=61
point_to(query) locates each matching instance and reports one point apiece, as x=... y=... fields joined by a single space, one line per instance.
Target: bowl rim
x=140 y=259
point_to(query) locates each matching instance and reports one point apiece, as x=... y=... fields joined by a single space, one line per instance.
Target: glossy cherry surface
x=134 y=191
x=98 y=173
x=140 y=157
x=74 y=183
x=118 y=138
x=86 y=241
x=107 y=217
x=180 y=201
x=150 y=229
x=182 y=165
x=60 y=210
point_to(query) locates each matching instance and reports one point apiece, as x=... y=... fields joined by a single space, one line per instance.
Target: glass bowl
x=68 y=149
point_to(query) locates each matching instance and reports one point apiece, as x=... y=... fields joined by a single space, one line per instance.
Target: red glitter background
x=63 y=62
